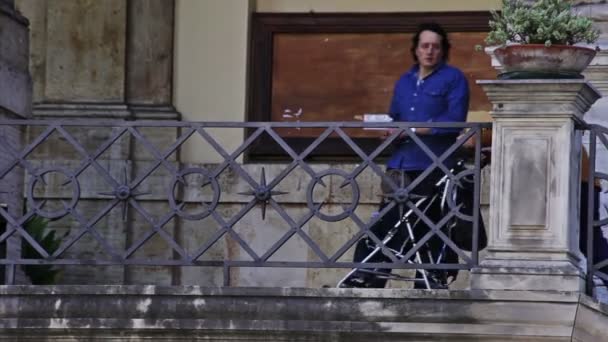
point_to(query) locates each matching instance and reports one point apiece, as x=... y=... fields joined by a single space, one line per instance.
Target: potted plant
x=538 y=40
x=38 y=229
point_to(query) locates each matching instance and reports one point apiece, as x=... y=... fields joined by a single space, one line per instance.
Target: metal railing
x=593 y=244
x=56 y=184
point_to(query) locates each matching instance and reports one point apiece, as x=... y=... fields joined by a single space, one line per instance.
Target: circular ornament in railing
x=207 y=180
x=462 y=180
x=318 y=181
x=58 y=179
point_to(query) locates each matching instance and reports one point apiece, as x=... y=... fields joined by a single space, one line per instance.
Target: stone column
x=15 y=103
x=149 y=61
x=110 y=59
x=533 y=230
x=117 y=63
x=15 y=82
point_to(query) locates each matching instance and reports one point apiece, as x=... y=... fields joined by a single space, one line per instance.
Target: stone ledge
x=288 y=326
x=555 y=276
x=218 y=336
x=279 y=314
x=153 y=290
x=590 y=321
x=98 y=110
x=546 y=98
x=154 y=112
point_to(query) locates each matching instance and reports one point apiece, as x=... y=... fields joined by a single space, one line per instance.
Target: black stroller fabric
x=462 y=230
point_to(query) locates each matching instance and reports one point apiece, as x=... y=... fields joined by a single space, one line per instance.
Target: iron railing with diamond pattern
x=87 y=163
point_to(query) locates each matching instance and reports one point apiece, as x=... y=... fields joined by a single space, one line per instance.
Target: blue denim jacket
x=443 y=96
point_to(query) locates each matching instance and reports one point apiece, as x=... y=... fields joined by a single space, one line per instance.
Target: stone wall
x=101 y=60
x=15 y=103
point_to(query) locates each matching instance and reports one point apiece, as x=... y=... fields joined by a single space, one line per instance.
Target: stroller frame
x=444 y=184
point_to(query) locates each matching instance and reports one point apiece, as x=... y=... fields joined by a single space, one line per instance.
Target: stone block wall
x=15 y=85
x=100 y=60
x=15 y=103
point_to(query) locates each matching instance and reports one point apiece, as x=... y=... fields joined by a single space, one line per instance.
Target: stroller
x=403 y=230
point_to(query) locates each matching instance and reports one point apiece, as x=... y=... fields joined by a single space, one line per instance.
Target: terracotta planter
x=539 y=61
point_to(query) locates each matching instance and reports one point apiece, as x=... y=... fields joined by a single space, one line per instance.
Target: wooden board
x=335 y=76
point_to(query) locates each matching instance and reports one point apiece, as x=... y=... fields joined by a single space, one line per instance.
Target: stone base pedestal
x=546 y=276
x=533 y=235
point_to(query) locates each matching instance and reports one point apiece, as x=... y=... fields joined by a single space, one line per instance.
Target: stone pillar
x=149 y=64
x=110 y=59
x=118 y=63
x=533 y=230
x=15 y=103
x=15 y=82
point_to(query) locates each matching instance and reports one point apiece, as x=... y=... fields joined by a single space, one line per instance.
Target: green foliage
x=40 y=274
x=544 y=22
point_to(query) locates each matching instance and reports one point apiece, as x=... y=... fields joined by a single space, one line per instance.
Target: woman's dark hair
x=436 y=28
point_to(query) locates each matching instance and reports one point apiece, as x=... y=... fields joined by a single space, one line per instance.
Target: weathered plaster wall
x=211 y=67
